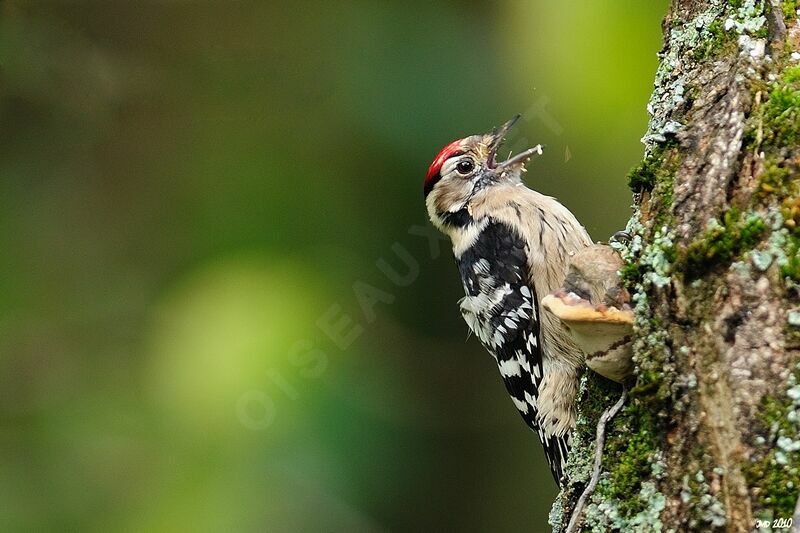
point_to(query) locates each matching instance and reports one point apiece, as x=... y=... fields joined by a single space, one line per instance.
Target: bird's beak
x=498 y=135
x=521 y=158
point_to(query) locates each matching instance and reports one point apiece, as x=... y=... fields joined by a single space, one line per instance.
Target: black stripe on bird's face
x=457 y=219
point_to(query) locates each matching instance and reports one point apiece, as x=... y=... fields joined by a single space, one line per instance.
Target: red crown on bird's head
x=451 y=150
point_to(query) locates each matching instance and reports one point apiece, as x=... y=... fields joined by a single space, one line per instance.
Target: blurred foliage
x=187 y=188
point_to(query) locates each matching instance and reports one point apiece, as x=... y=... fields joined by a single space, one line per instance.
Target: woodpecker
x=512 y=246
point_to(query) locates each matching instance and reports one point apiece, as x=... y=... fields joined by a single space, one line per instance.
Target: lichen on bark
x=710 y=437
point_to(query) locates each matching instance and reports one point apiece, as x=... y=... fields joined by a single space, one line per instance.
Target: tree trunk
x=710 y=436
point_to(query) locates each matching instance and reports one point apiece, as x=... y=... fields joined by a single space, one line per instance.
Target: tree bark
x=710 y=436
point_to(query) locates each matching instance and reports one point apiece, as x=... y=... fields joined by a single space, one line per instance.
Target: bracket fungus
x=594 y=307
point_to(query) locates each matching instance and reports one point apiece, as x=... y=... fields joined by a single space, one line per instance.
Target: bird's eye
x=465 y=166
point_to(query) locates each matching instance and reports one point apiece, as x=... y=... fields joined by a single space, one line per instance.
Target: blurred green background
x=188 y=190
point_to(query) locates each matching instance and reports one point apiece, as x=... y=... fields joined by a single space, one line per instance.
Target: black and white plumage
x=512 y=246
x=502 y=309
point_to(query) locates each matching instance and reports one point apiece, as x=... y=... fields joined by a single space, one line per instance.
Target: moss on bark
x=710 y=437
